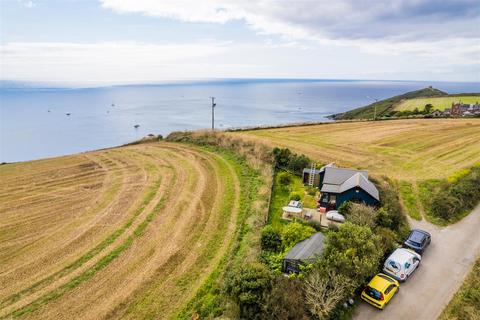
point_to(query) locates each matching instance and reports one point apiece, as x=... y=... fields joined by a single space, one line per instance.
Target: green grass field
x=439 y=103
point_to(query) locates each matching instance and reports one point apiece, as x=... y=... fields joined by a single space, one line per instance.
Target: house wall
x=352 y=195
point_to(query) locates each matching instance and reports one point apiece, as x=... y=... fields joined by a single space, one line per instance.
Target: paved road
x=444 y=266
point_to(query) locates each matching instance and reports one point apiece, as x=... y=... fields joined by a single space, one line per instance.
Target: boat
x=136 y=126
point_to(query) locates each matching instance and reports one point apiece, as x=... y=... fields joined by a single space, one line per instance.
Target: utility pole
x=375 y=109
x=213 y=112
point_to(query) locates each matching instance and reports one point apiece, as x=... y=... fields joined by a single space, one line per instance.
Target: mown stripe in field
x=150 y=193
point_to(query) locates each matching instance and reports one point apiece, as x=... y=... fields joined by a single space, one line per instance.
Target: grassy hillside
x=130 y=232
x=439 y=103
x=385 y=106
x=409 y=151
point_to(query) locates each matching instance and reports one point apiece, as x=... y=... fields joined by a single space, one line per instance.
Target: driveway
x=444 y=266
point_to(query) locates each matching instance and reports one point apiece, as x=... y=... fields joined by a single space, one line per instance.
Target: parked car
x=380 y=290
x=335 y=216
x=418 y=240
x=401 y=264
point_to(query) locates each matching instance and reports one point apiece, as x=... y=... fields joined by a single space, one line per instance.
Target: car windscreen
x=416 y=238
x=373 y=293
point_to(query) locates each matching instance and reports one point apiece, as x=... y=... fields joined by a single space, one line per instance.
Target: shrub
x=345 y=208
x=388 y=240
x=393 y=216
x=285 y=159
x=295 y=232
x=311 y=191
x=295 y=196
x=271 y=239
x=362 y=215
x=353 y=251
x=285 y=301
x=452 y=199
x=247 y=285
x=284 y=178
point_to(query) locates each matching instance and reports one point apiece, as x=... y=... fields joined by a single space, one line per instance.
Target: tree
x=428 y=108
x=271 y=239
x=247 y=285
x=354 y=251
x=282 y=157
x=285 y=301
x=325 y=289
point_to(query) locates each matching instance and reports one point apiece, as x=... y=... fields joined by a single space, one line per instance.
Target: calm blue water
x=28 y=131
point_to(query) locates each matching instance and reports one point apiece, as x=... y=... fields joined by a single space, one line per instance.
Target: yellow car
x=380 y=290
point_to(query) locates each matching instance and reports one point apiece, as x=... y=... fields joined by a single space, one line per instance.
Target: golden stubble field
x=128 y=232
x=411 y=150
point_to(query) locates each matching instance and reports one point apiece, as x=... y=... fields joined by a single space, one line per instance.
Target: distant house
x=447 y=112
x=306 y=251
x=338 y=185
x=437 y=113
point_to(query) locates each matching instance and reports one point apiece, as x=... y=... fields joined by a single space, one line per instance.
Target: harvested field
x=402 y=149
x=129 y=232
x=411 y=151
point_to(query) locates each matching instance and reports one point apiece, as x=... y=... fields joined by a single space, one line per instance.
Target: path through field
x=445 y=264
x=129 y=232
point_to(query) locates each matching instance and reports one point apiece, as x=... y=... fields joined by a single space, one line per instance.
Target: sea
x=42 y=122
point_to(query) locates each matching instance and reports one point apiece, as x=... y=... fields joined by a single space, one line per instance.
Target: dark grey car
x=418 y=240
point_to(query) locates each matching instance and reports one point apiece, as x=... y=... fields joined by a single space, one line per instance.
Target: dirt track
x=122 y=233
x=445 y=265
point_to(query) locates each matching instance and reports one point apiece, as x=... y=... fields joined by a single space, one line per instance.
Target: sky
x=141 y=41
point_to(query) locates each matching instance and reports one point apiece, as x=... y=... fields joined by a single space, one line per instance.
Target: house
x=317 y=174
x=447 y=112
x=437 y=113
x=339 y=185
x=306 y=251
x=458 y=109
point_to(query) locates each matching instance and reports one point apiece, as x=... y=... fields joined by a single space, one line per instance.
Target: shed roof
x=317 y=171
x=307 y=249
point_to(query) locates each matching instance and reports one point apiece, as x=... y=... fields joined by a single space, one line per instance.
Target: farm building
x=317 y=175
x=339 y=185
x=306 y=251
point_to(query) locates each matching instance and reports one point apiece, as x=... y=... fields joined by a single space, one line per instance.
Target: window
x=390 y=287
x=333 y=199
x=392 y=265
x=407 y=265
x=373 y=293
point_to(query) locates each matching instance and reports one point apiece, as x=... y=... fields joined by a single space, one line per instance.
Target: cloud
x=400 y=20
x=108 y=61
x=27 y=3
